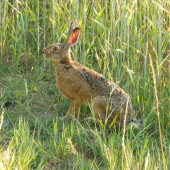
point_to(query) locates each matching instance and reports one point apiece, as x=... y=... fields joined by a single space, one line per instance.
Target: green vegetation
x=128 y=41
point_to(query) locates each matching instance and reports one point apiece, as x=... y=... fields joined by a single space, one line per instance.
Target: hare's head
x=58 y=52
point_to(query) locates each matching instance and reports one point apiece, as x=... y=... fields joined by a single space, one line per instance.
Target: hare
x=110 y=104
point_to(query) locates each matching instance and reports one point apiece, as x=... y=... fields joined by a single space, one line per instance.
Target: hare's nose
x=43 y=51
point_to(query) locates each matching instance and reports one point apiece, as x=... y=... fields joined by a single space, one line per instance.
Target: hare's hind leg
x=73 y=109
x=105 y=110
x=99 y=105
x=113 y=110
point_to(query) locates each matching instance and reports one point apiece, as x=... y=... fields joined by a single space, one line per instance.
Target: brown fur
x=82 y=85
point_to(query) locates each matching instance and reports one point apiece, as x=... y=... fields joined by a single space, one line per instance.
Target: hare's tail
x=135 y=123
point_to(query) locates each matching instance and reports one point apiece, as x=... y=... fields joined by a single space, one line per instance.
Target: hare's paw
x=64 y=117
x=91 y=119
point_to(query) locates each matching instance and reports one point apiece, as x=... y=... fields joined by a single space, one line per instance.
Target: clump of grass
x=118 y=39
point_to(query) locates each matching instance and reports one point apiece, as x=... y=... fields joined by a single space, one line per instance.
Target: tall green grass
x=126 y=41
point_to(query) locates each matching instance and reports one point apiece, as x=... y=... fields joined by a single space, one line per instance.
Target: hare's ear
x=72 y=26
x=73 y=36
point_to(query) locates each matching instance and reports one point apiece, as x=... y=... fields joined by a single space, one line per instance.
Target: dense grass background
x=127 y=41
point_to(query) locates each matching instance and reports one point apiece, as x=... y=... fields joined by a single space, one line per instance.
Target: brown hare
x=110 y=104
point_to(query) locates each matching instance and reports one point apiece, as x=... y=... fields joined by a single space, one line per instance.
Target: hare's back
x=100 y=86
x=95 y=82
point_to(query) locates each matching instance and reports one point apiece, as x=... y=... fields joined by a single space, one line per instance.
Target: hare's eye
x=55 y=48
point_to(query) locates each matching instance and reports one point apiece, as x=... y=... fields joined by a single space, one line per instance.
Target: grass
x=126 y=41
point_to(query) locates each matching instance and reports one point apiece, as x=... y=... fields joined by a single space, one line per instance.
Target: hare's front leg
x=73 y=109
